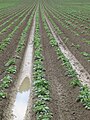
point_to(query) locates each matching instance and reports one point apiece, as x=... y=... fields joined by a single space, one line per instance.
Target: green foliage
x=42 y=110
x=6 y=81
x=84 y=96
x=5 y=84
x=10 y=62
x=86 y=55
x=53 y=43
x=11 y=70
x=2 y=94
x=75 y=82
x=41 y=85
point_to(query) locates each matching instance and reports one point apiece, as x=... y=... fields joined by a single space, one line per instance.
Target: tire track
x=83 y=75
x=63 y=97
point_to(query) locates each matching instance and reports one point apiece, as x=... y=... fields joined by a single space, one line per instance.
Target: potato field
x=44 y=60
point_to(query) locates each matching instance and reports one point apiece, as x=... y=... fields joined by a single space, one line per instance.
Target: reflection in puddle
x=21 y=102
x=25 y=86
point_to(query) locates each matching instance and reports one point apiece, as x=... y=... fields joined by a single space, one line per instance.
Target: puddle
x=23 y=94
x=21 y=102
x=17 y=108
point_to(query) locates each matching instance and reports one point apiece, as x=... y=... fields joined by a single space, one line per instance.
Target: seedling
x=84 y=96
x=86 y=55
x=53 y=43
x=75 y=82
x=77 y=46
x=11 y=70
x=40 y=83
x=87 y=41
x=2 y=94
x=84 y=92
x=10 y=62
x=5 y=82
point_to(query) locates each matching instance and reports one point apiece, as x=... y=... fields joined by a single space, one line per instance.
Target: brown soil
x=79 y=29
x=10 y=49
x=6 y=15
x=75 y=40
x=14 y=18
x=12 y=90
x=12 y=27
x=63 y=104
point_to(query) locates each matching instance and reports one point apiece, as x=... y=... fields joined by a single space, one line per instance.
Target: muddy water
x=20 y=97
x=21 y=102
x=23 y=89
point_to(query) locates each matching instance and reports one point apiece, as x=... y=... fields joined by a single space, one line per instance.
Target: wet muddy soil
x=6 y=113
x=74 y=40
x=63 y=103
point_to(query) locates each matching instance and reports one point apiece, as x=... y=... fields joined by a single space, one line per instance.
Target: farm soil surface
x=10 y=49
x=12 y=90
x=11 y=28
x=12 y=20
x=75 y=40
x=8 y=14
x=79 y=29
x=68 y=32
x=63 y=104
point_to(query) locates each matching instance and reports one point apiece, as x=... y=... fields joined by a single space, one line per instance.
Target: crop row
x=78 y=12
x=73 y=25
x=6 y=15
x=12 y=17
x=41 y=85
x=10 y=14
x=84 y=96
x=11 y=11
x=71 y=16
x=11 y=64
x=12 y=21
x=80 y=26
x=81 y=51
x=6 y=41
